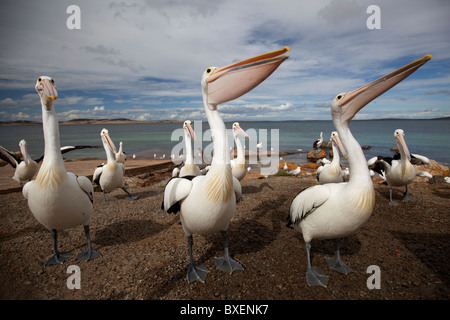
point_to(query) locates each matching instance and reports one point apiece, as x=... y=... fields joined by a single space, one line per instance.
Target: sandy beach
x=144 y=251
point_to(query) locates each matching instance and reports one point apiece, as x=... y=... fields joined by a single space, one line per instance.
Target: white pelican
x=336 y=210
x=26 y=169
x=318 y=142
x=109 y=176
x=58 y=199
x=208 y=202
x=398 y=171
x=189 y=168
x=120 y=155
x=238 y=164
x=332 y=172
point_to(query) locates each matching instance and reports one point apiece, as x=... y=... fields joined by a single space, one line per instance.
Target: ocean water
x=430 y=138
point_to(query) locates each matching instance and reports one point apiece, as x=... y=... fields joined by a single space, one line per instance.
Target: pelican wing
x=8 y=157
x=176 y=190
x=307 y=201
x=67 y=149
x=97 y=173
x=85 y=185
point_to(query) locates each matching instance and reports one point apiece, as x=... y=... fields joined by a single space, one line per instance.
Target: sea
x=430 y=138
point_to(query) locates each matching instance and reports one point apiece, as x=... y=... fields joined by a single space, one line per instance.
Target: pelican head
x=188 y=129
x=45 y=87
x=224 y=84
x=346 y=105
x=237 y=130
x=335 y=139
x=399 y=136
x=107 y=142
x=24 y=151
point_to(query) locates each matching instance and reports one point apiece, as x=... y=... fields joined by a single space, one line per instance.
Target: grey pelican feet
x=90 y=253
x=336 y=263
x=197 y=271
x=406 y=196
x=391 y=202
x=225 y=263
x=104 y=197
x=57 y=257
x=314 y=276
x=130 y=196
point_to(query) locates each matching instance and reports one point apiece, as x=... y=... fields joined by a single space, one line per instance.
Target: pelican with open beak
x=336 y=210
x=208 y=202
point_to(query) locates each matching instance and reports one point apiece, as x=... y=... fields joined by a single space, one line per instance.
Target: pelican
x=26 y=169
x=109 y=176
x=398 y=171
x=189 y=168
x=58 y=199
x=238 y=164
x=332 y=172
x=120 y=155
x=335 y=210
x=318 y=142
x=208 y=202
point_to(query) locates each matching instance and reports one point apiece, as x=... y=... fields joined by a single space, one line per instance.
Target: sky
x=143 y=60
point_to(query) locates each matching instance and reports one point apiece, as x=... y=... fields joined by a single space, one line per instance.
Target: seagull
x=208 y=202
x=109 y=176
x=398 y=171
x=238 y=165
x=332 y=172
x=336 y=210
x=259 y=145
x=58 y=199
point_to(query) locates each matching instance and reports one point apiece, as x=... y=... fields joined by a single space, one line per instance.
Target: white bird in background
x=296 y=171
x=189 y=168
x=58 y=199
x=318 y=142
x=207 y=203
x=26 y=169
x=259 y=145
x=332 y=172
x=336 y=210
x=110 y=176
x=120 y=155
x=239 y=164
x=398 y=171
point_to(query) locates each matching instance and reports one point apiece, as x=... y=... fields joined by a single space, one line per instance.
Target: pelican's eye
x=208 y=71
x=53 y=81
x=339 y=97
x=39 y=80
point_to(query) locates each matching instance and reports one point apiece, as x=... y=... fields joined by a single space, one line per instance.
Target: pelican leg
x=314 y=276
x=197 y=271
x=336 y=263
x=406 y=196
x=225 y=263
x=130 y=196
x=90 y=253
x=104 y=197
x=57 y=257
x=391 y=202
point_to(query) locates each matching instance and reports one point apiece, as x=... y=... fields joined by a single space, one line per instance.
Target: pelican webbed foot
x=406 y=196
x=197 y=271
x=225 y=263
x=90 y=253
x=392 y=202
x=314 y=276
x=130 y=196
x=336 y=263
x=57 y=257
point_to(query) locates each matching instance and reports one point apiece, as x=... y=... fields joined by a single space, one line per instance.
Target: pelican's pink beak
x=48 y=89
x=190 y=130
x=112 y=146
x=355 y=100
x=401 y=143
x=338 y=143
x=232 y=81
